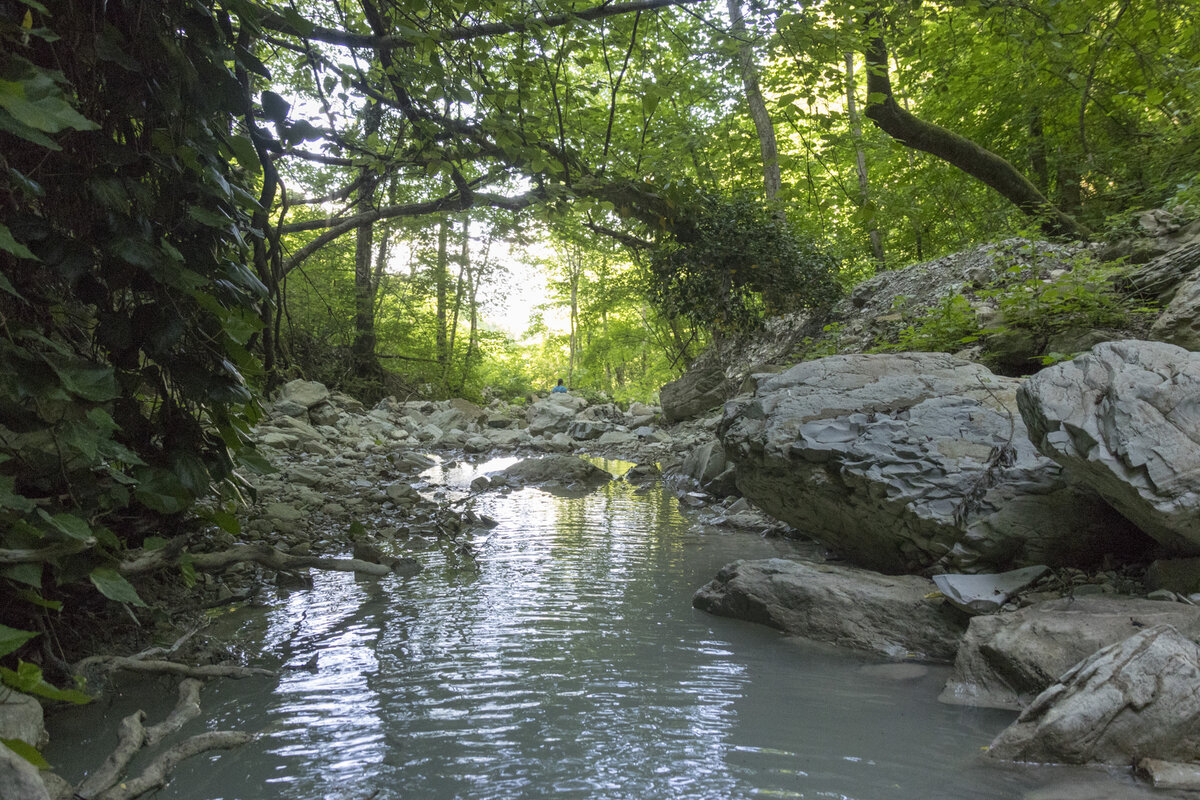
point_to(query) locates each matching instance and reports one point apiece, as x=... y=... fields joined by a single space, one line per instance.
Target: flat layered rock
x=888 y=615
x=904 y=461
x=1125 y=420
x=1134 y=699
x=1008 y=659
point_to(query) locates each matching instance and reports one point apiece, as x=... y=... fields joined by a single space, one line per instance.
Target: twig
x=260 y=553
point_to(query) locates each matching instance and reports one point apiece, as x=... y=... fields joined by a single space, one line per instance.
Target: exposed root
x=155 y=775
x=134 y=664
x=258 y=553
x=108 y=781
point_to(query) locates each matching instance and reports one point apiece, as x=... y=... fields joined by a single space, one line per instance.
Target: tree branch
x=277 y=22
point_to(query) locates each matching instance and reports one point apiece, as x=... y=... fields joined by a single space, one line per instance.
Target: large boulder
x=699 y=389
x=1008 y=659
x=1124 y=419
x=305 y=394
x=555 y=413
x=904 y=461
x=888 y=615
x=1133 y=699
x=552 y=469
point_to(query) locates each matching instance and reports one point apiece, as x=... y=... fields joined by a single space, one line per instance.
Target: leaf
x=26 y=751
x=11 y=245
x=29 y=573
x=275 y=108
x=11 y=639
x=28 y=678
x=9 y=497
x=35 y=598
x=153 y=543
x=161 y=491
x=113 y=586
x=68 y=524
x=38 y=103
x=89 y=382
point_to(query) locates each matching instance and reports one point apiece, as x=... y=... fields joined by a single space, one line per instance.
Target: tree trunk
x=441 y=280
x=954 y=149
x=860 y=160
x=362 y=352
x=754 y=98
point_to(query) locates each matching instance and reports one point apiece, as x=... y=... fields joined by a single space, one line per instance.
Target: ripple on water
x=570 y=665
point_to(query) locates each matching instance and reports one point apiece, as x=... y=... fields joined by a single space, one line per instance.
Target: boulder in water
x=884 y=614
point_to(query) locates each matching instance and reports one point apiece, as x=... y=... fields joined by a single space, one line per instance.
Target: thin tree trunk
x=441 y=281
x=362 y=352
x=954 y=149
x=754 y=98
x=464 y=266
x=860 y=160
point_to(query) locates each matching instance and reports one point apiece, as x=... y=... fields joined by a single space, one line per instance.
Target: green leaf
x=28 y=678
x=26 y=751
x=89 y=382
x=153 y=543
x=35 y=598
x=29 y=573
x=275 y=108
x=12 y=639
x=9 y=497
x=11 y=245
x=161 y=491
x=38 y=103
x=113 y=586
x=187 y=570
x=68 y=524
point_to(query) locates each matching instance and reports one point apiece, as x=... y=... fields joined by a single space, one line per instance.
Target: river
x=564 y=661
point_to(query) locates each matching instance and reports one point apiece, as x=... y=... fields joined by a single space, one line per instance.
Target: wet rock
x=904 y=461
x=585 y=429
x=643 y=473
x=1007 y=659
x=708 y=467
x=557 y=469
x=508 y=438
x=698 y=390
x=616 y=438
x=845 y=606
x=1168 y=774
x=985 y=594
x=401 y=492
x=21 y=718
x=477 y=444
x=1133 y=699
x=1123 y=420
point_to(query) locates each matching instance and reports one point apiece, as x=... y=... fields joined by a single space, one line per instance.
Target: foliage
x=128 y=310
x=946 y=327
x=735 y=263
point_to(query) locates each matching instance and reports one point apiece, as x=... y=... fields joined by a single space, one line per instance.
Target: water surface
x=565 y=661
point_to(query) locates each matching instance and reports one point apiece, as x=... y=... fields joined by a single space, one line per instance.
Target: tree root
x=156 y=774
x=112 y=663
x=106 y=782
x=259 y=553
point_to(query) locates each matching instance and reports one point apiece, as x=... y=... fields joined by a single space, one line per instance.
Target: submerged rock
x=556 y=469
x=1007 y=659
x=1133 y=699
x=884 y=614
x=904 y=461
x=1124 y=419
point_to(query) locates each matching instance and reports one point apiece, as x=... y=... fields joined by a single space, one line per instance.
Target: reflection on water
x=568 y=664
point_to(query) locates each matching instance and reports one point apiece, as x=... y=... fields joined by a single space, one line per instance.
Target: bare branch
x=259 y=553
x=333 y=36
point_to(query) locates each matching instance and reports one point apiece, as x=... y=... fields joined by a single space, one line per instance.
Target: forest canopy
x=202 y=198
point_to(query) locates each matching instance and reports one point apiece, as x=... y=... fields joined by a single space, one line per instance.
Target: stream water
x=566 y=663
